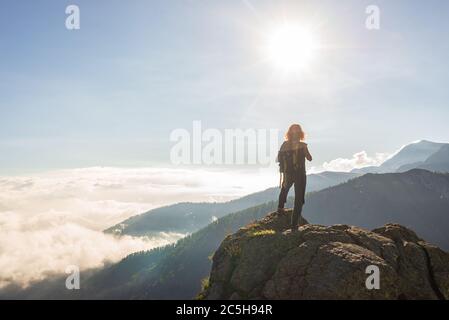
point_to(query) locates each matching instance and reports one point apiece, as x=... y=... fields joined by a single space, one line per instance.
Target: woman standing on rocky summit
x=292 y=164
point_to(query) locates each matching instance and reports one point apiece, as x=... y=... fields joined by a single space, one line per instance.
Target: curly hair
x=295 y=132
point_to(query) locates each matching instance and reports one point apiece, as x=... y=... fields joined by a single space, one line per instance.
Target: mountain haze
x=439 y=161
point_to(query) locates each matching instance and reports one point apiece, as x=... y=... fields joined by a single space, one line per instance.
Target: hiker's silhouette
x=292 y=157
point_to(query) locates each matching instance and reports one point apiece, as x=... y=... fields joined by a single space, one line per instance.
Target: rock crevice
x=432 y=280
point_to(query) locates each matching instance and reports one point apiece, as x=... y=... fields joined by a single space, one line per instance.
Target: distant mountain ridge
x=190 y=217
x=417 y=199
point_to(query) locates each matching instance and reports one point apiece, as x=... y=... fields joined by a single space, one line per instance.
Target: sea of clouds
x=51 y=220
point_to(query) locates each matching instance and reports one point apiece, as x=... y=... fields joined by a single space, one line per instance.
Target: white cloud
x=358 y=160
x=51 y=220
x=33 y=254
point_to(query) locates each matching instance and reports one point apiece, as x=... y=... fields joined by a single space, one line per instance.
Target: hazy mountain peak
x=408 y=157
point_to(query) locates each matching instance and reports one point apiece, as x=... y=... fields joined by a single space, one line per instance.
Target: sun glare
x=292 y=48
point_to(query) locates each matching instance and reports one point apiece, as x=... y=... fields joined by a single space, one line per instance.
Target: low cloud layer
x=52 y=220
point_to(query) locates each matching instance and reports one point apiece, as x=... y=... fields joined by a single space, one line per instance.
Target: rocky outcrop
x=264 y=261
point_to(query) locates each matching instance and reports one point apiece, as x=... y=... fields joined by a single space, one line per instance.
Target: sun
x=292 y=47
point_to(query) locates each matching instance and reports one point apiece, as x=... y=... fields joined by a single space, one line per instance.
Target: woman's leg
x=300 y=190
x=296 y=214
x=286 y=185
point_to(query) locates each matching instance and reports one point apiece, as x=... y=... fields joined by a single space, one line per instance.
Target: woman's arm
x=308 y=155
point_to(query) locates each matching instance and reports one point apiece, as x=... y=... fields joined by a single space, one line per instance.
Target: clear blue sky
x=111 y=93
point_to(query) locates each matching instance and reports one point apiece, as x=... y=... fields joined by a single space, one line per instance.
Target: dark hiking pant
x=299 y=180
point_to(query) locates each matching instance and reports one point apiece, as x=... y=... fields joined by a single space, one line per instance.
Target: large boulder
x=264 y=260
